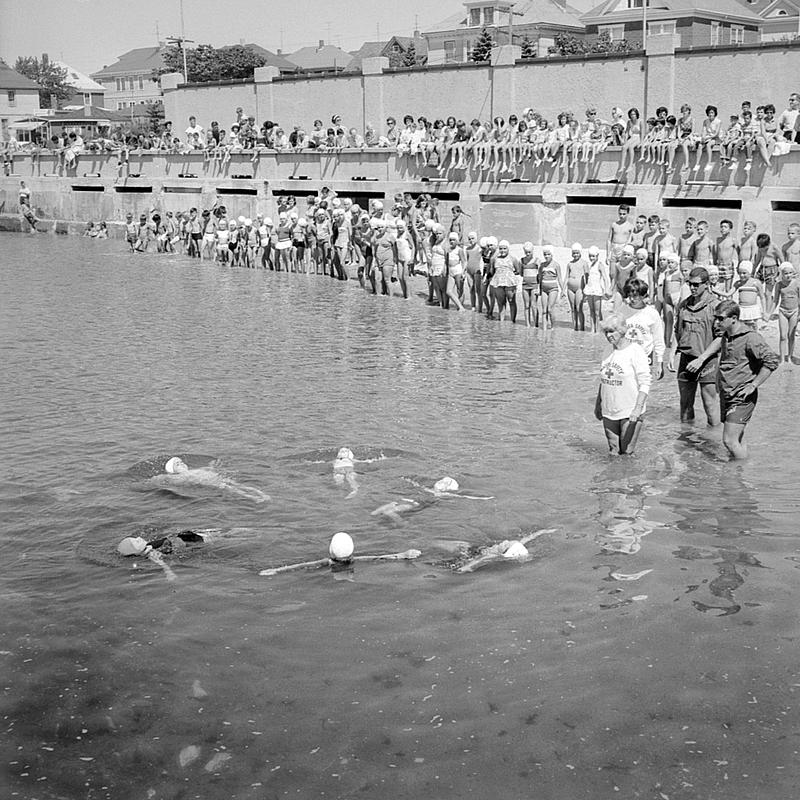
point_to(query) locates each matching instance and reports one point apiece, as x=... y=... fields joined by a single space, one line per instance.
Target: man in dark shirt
x=694 y=320
x=746 y=361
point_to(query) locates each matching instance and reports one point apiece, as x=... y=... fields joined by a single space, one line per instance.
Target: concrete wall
x=720 y=76
x=550 y=205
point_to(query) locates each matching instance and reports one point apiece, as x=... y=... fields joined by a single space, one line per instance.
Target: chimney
x=321 y=44
x=280 y=52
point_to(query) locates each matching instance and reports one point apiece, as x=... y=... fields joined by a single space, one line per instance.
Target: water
x=549 y=679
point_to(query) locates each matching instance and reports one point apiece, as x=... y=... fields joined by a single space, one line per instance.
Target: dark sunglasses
x=696 y=283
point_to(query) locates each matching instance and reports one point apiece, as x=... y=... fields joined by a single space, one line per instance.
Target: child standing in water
x=787 y=301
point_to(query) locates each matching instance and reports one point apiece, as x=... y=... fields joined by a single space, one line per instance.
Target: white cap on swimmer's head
x=577 y=247
x=629 y=249
x=268 y=221
x=240 y=220
x=594 y=250
x=504 y=243
x=429 y=224
x=492 y=241
x=446 y=484
x=174 y=465
x=515 y=549
x=528 y=247
x=483 y=241
x=132 y=546
x=345 y=452
x=341 y=546
x=248 y=223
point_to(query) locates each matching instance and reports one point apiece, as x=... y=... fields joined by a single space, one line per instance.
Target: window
x=140 y=83
x=615 y=32
x=474 y=17
x=714 y=34
x=488 y=15
x=12 y=97
x=449 y=50
x=737 y=34
x=119 y=84
x=637 y=3
x=658 y=28
x=87 y=99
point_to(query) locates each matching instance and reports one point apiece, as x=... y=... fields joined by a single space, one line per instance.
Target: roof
x=9 y=79
x=88 y=114
x=142 y=59
x=373 y=49
x=79 y=81
x=273 y=59
x=325 y=57
x=730 y=10
x=526 y=12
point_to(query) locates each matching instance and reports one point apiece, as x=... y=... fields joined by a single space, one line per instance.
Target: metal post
x=183 y=48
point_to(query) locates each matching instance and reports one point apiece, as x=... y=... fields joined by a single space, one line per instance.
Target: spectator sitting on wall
x=194 y=130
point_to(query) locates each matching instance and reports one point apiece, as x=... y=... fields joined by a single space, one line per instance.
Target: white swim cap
x=528 y=247
x=241 y=220
x=594 y=250
x=132 y=546
x=341 y=546
x=345 y=452
x=232 y=223
x=577 y=246
x=483 y=241
x=377 y=205
x=268 y=221
x=674 y=258
x=492 y=241
x=336 y=202
x=429 y=224
x=438 y=228
x=446 y=484
x=302 y=222
x=401 y=224
x=504 y=243
x=292 y=214
x=629 y=249
x=373 y=222
x=248 y=222
x=515 y=549
x=173 y=465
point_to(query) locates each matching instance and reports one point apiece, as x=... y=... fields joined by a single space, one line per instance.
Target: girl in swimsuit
x=438 y=269
x=551 y=285
x=504 y=280
x=767 y=134
x=633 y=138
x=672 y=293
x=596 y=287
x=530 y=285
x=787 y=300
x=577 y=270
x=749 y=295
x=456 y=260
x=487 y=260
x=477 y=143
x=474 y=270
x=686 y=136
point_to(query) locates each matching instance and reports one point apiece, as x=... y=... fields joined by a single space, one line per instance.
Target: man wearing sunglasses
x=694 y=332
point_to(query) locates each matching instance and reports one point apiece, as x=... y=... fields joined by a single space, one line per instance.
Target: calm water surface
x=549 y=679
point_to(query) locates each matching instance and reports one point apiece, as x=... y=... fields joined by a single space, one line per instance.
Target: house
x=780 y=19
x=131 y=79
x=540 y=21
x=86 y=91
x=698 y=23
x=271 y=59
x=323 y=58
x=395 y=50
x=19 y=99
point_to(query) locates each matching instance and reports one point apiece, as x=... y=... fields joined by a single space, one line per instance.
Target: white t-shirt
x=646 y=327
x=623 y=374
x=191 y=131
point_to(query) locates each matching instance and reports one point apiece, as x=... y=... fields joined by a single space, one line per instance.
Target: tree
x=52 y=79
x=483 y=47
x=567 y=44
x=528 y=48
x=155 y=115
x=410 y=56
x=205 y=63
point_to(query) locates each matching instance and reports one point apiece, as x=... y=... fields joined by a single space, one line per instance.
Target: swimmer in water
x=341 y=555
x=177 y=473
x=444 y=487
x=155 y=548
x=469 y=558
x=344 y=470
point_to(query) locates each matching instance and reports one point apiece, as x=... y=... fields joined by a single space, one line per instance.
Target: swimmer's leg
x=613 y=430
x=353 y=484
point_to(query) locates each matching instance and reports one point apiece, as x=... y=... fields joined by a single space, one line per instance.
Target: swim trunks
x=736 y=410
x=708 y=374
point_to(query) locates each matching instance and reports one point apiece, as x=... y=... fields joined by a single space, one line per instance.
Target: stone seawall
x=548 y=205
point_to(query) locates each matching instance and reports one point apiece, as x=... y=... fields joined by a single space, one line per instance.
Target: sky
x=90 y=34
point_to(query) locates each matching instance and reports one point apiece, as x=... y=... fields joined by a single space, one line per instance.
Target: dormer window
x=474 y=17
x=488 y=15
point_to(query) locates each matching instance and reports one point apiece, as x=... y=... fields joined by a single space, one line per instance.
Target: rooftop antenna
x=181 y=41
x=158 y=34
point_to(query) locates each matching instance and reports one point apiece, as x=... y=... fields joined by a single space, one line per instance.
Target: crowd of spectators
x=502 y=145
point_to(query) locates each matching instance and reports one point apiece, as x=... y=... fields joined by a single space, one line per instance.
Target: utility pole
x=181 y=42
x=511 y=14
x=644 y=48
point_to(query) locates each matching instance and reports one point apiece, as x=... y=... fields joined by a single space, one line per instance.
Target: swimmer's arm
x=322 y=562
x=406 y=555
x=697 y=364
x=535 y=535
x=156 y=558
